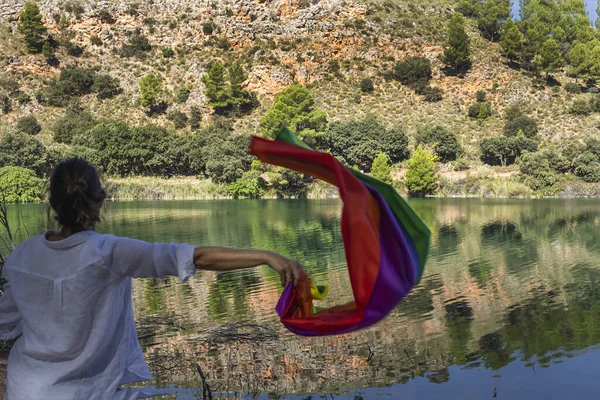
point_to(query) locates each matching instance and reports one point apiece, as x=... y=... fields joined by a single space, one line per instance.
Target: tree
x=250 y=185
x=357 y=142
x=32 y=27
x=182 y=95
x=469 y=8
x=240 y=99
x=75 y=122
x=421 y=178
x=412 y=70
x=457 y=54
x=550 y=58
x=442 y=140
x=216 y=87
x=29 y=125
x=106 y=86
x=150 y=90
x=578 y=60
x=48 y=52
x=527 y=125
x=512 y=41
x=381 y=169
x=536 y=170
x=493 y=14
x=19 y=185
x=22 y=150
x=505 y=150
x=294 y=108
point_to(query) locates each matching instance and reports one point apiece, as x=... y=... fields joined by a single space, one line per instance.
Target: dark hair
x=76 y=194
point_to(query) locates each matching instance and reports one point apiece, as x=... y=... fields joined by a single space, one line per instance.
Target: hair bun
x=78 y=187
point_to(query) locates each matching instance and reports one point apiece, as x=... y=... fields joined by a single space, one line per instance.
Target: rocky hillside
x=279 y=42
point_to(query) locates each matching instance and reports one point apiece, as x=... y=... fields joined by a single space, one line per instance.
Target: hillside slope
x=280 y=42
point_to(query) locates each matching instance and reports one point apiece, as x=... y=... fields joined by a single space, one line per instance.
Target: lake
x=509 y=304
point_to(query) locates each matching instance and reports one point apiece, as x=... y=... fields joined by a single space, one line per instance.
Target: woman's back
x=79 y=338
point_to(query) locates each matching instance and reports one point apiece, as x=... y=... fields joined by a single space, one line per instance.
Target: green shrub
x=593 y=90
x=334 y=66
x=571 y=87
x=195 y=118
x=381 y=169
x=421 y=178
x=106 y=17
x=74 y=50
x=19 y=185
x=137 y=46
x=512 y=112
x=480 y=96
x=524 y=124
x=288 y=183
x=29 y=125
x=71 y=82
x=442 y=140
x=181 y=95
x=412 y=69
x=23 y=98
x=179 y=119
x=250 y=185
x=74 y=122
x=587 y=167
x=22 y=150
x=595 y=103
x=536 y=170
x=106 y=86
x=581 y=107
x=480 y=111
x=208 y=28
x=366 y=85
x=95 y=40
x=167 y=52
x=433 y=95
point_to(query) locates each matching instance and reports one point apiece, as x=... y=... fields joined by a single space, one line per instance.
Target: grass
x=154 y=188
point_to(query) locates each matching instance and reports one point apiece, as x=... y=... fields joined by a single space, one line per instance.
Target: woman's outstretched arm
x=224 y=259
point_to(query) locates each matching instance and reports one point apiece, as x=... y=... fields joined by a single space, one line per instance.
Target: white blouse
x=71 y=301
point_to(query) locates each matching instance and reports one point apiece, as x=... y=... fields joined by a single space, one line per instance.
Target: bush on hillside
x=412 y=70
x=527 y=125
x=29 y=125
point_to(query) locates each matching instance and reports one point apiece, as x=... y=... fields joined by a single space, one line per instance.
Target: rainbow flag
x=385 y=242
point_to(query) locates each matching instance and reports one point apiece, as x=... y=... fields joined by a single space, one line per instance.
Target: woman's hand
x=288 y=269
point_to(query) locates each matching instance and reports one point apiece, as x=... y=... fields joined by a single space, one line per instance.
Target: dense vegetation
x=552 y=43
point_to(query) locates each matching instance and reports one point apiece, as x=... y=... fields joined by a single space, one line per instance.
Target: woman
x=68 y=300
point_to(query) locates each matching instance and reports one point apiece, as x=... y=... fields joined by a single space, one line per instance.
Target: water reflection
x=510 y=286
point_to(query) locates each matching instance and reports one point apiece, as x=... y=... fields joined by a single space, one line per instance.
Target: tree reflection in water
x=508 y=281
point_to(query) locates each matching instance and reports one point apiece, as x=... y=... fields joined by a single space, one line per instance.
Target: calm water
x=510 y=301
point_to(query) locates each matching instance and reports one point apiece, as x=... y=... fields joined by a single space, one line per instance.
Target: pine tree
x=32 y=27
x=421 y=178
x=150 y=90
x=579 y=60
x=550 y=58
x=594 y=62
x=381 y=169
x=457 y=54
x=598 y=14
x=492 y=16
x=240 y=99
x=216 y=88
x=512 y=41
